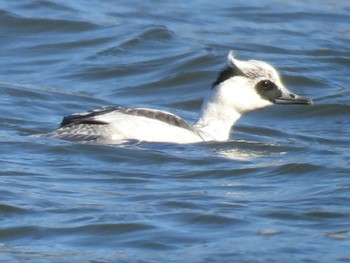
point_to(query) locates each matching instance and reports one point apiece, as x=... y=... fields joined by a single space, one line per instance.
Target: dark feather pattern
x=89 y=117
x=225 y=74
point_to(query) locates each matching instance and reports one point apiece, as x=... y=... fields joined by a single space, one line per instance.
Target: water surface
x=278 y=191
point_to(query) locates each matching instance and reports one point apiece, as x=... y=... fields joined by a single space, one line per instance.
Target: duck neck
x=216 y=119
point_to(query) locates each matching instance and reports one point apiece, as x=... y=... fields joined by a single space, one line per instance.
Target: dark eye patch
x=268 y=90
x=265 y=85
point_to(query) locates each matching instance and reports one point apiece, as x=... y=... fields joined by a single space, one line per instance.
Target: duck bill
x=291 y=98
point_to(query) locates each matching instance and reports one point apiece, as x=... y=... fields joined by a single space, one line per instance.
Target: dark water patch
x=213 y=221
x=15 y=24
x=117 y=229
x=179 y=204
x=49 y=49
x=303 y=81
x=9 y=210
x=326 y=215
x=327 y=53
x=32 y=232
x=329 y=110
x=229 y=172
x=44 y=7
x=149 y=34
x=297 y=169
x=22 y=92
x=261 y=131
x=8 y=234
x=343 y=61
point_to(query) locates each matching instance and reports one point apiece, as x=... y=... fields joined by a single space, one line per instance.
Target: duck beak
x=288 y=97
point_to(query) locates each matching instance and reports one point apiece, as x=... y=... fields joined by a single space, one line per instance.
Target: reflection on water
x=236 y=154
x=248 y=151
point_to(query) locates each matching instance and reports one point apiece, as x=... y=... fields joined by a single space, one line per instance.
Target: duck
x=241 y=87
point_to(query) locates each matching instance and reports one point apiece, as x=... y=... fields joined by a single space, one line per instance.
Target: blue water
x=278 y=191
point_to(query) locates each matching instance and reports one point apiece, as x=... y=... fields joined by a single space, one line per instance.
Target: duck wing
x=92 y=117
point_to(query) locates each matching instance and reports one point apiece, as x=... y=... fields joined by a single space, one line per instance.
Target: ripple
x=11 y=210
x=23 y=25
x=339 y=235
x=279 y=189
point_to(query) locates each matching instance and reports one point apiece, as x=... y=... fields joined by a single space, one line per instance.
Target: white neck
x=216 y=119
x=225 y=104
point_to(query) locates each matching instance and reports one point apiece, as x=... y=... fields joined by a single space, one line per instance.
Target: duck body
x=118 y=124
x=243 y=86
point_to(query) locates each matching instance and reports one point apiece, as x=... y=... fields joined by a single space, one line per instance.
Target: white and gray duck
x=243 y=86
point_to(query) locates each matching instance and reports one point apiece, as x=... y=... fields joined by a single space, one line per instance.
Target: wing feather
x=90 y=117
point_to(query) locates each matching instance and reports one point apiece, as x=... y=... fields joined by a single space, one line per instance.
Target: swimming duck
x=243 y=86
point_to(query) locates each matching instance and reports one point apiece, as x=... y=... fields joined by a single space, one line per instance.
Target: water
x=279 y=191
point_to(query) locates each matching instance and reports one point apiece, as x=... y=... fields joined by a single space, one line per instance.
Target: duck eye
x=266 y=85
x=268 y=90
